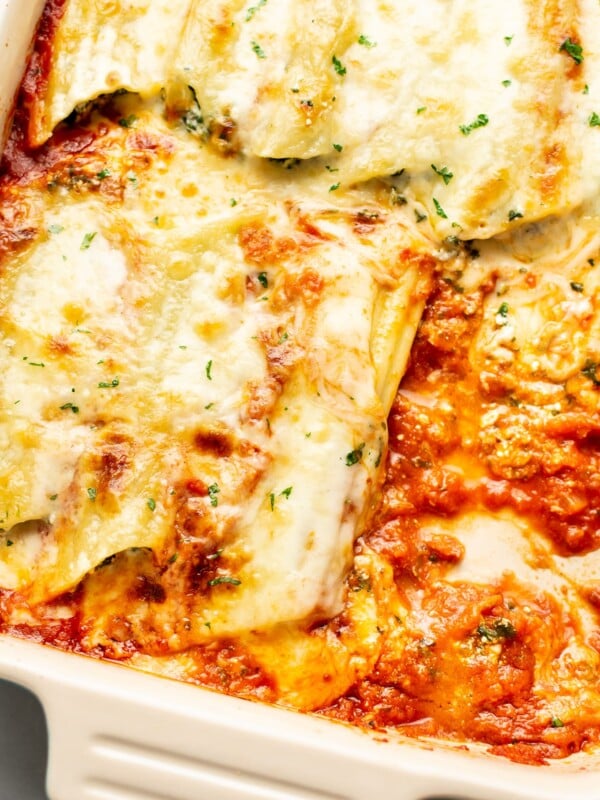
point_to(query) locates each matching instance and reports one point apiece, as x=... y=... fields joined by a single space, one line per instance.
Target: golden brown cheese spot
x=217 y=443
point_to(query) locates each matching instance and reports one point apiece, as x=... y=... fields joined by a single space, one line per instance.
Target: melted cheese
x=485 y=112
x=137 y=334
x=104 y=46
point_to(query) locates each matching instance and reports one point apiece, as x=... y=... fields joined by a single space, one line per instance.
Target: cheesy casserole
x=301 y=355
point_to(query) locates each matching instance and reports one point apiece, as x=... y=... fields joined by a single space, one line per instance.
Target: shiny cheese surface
x=482 y=104
x=172 y=341
x=103 y=46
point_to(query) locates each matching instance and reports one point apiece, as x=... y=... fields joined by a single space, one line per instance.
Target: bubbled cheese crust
x=199 y=353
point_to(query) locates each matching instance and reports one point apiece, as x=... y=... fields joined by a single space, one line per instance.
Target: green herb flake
x=586 y=89
x=594 y=120
x=233 y=202
x=258 y=51
x=151 y=503
x=576 y=286
x=508 y=39
x=87 y=241
x=128 y=122
x=36 y=364
x=173 y=558
x=92 y=493
x=334 y=187
x=556 y=722
x=365 y=41
x=213 y=491
x=439 y=210
x=501 y=629
x=53 y=497
x=263 y=279
x=104 y=173
x=444 y=173
x=590 y=370
x=338 y=147
x=506 y=83
x=421 y=109
x=109 y=384
x=354 y=456
x=272 y=500
x=287 y=492
x=208 y=369
x=572 y=49
x=514 y=214
x=338 y=66
x=215 y=555
x=503 y=310
x=419 y=217
x=480 y=121
x=253 y=9
x=9 y=542
x=55 y=229
x=72 y=406
x=224 y=579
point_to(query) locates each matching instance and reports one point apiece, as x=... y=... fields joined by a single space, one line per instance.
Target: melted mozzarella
x=104 y=46
x=142 y=302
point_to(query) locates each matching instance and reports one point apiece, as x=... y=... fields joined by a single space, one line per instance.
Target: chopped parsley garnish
x=108 y=384
x=334 y=187
x=287 y=492
x=233 y=202
x=590 y=370
x=514 y=214
x=354 y=456
x=87 y=240
x=480 y=121
x=420 y=217
x=556 y=722
x=272 y=500
x=421 y=109
x=151 y=503
x=55 y=229
x=503 y=310
x=213 y=491
x=208 y=369
x=128 y=122
x=501 y=629
x=338 y=66
x=53 y=497
x=338 y=147
x=508 y=39
x=258 y=51
x=104 y=173
x=36 y=364
x=253 y=9
x=586 y=89
x=92 y=493
x=594 y=120
x=365 y=41
x=444 y=173
x=576 y=286
x=439 y=210
x=572 y=49
x=224 y=579
x=173 y=558
x=506 y=82
x=72 y=406
x=263 y=279
x=9 y=542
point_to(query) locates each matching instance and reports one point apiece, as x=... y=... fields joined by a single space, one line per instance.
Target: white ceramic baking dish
x=117 y=734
